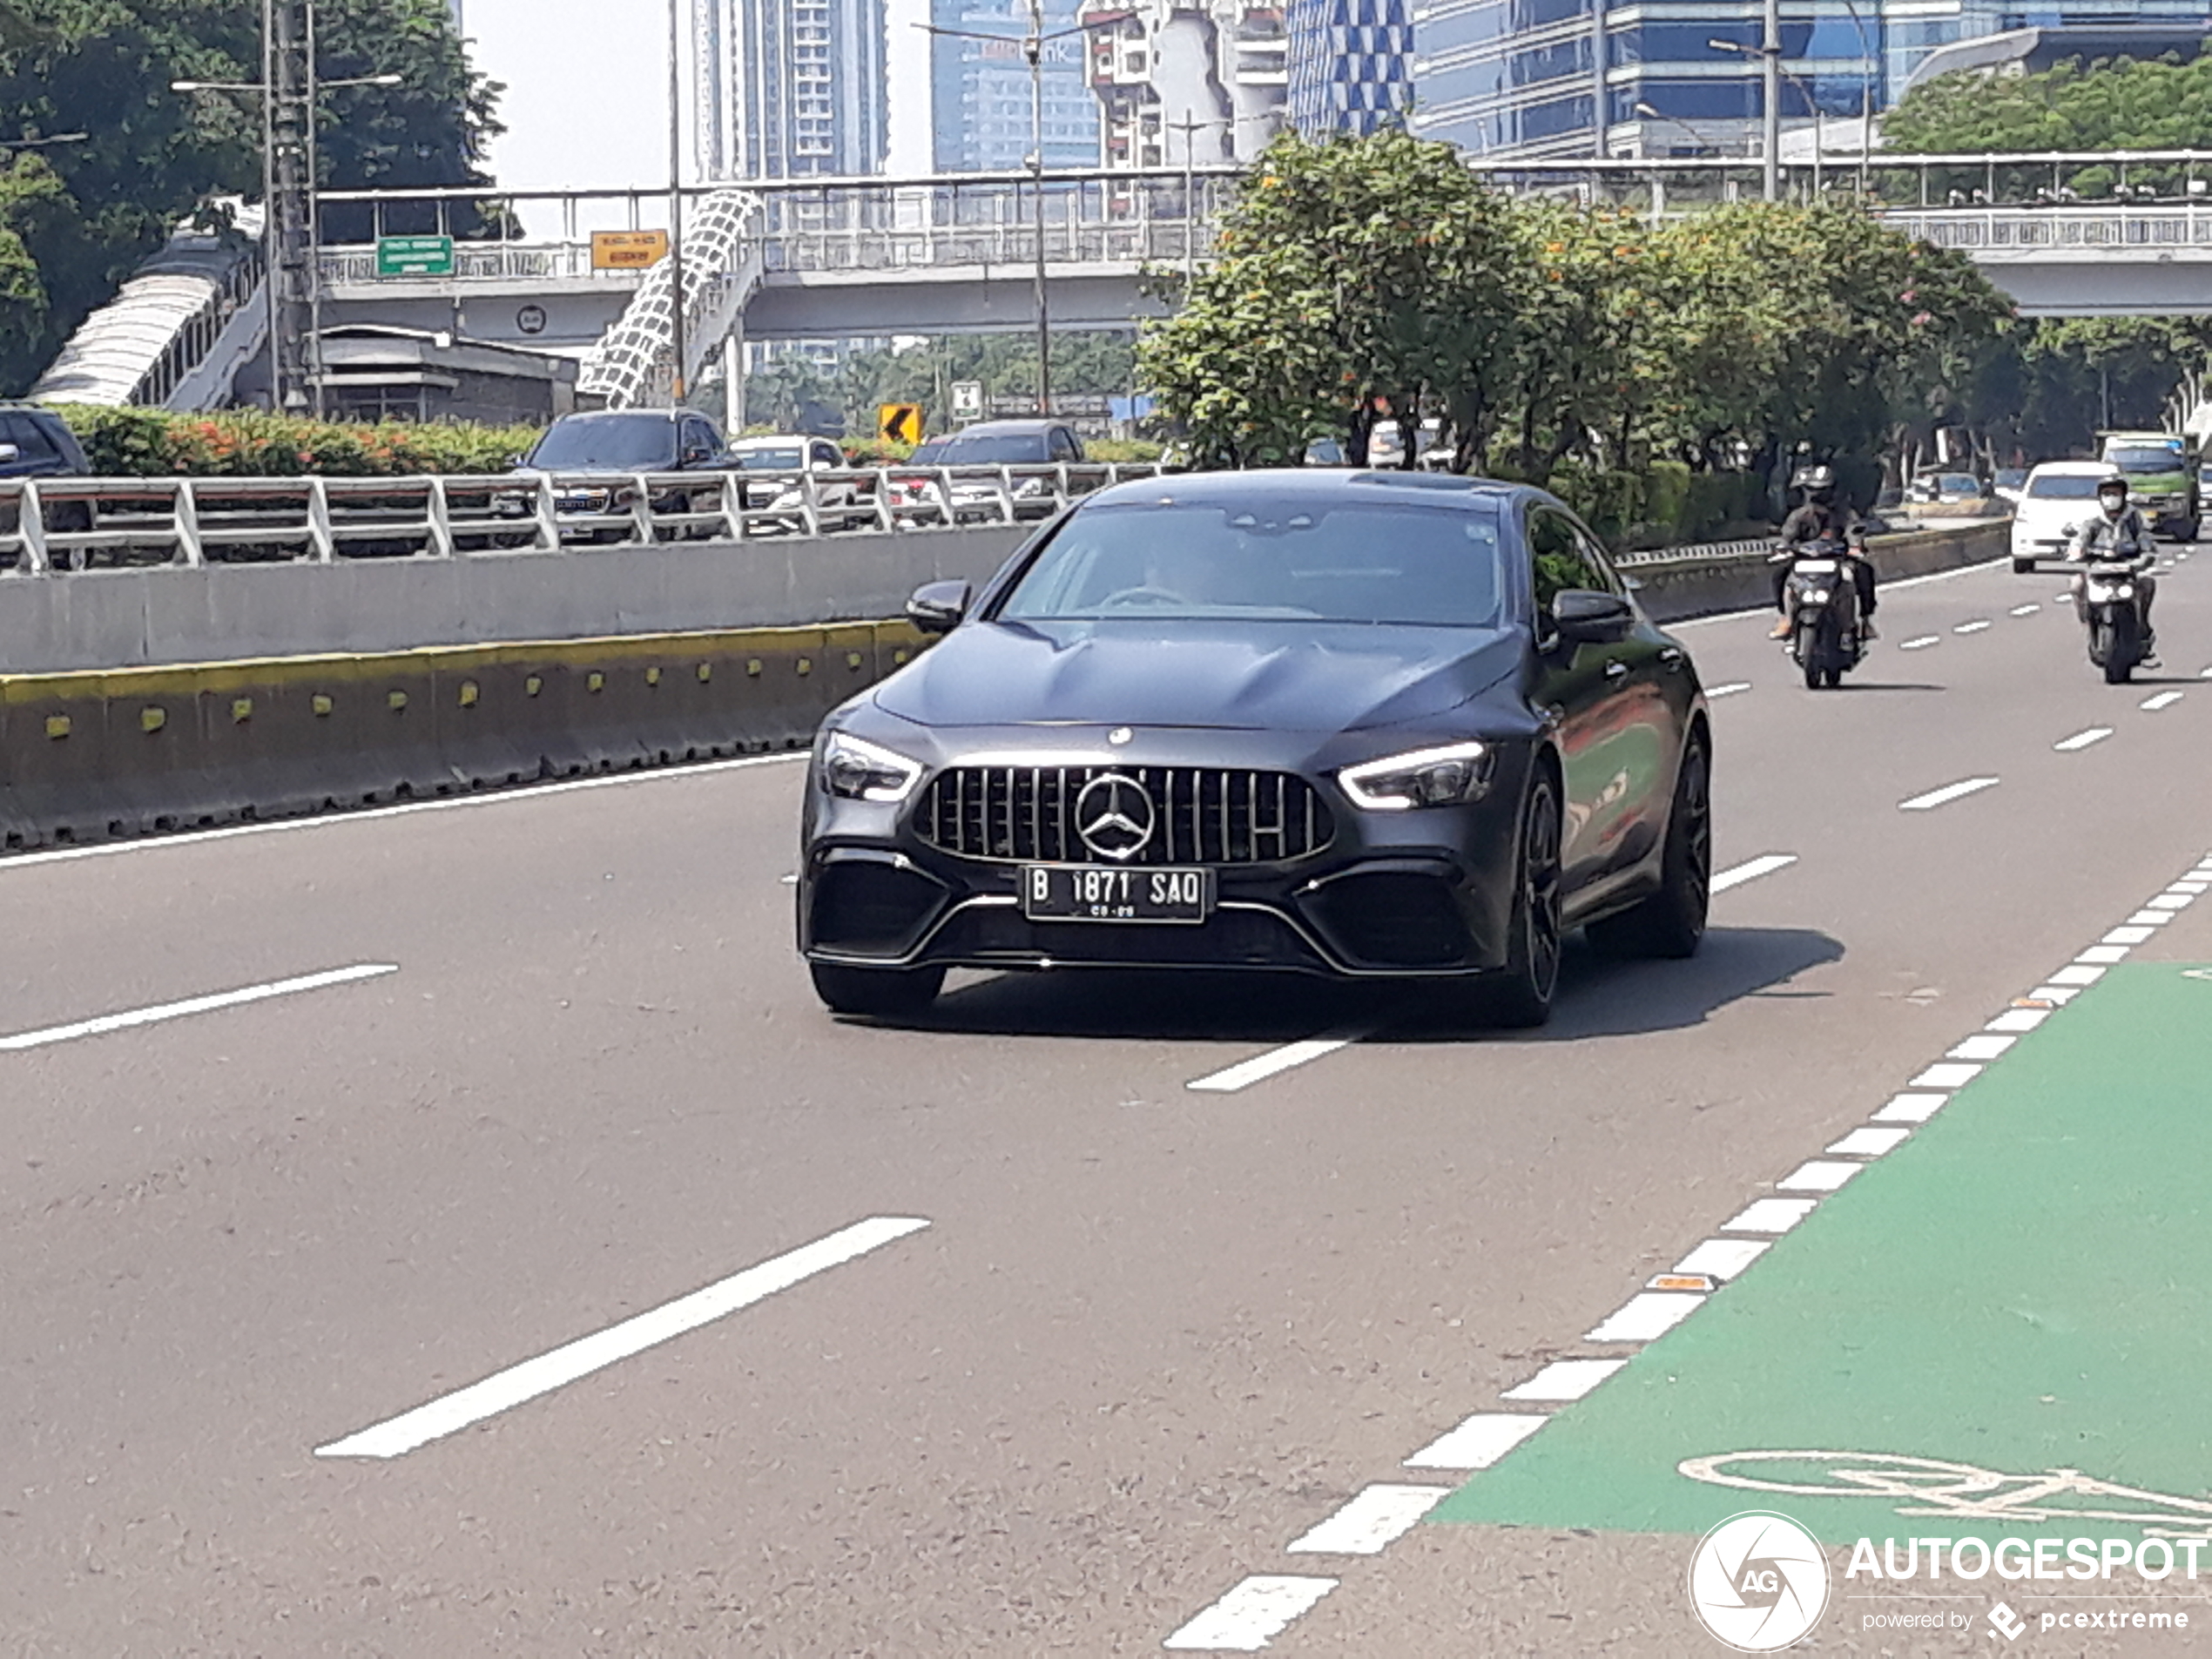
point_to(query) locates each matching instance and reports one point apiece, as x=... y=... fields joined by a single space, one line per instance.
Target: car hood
x=1283 y=675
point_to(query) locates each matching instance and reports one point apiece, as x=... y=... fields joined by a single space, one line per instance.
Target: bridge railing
x=2179 y=224
x=79 y=526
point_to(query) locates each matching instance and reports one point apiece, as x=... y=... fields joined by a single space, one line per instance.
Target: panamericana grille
x=1200 y=814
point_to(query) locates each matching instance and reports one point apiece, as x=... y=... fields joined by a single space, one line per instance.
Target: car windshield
x=991 y=449
x=647 y=442
x=2062 y=486
x=771 y=460
x=2145 y=458
x=1959 y=483
x=1338 y=561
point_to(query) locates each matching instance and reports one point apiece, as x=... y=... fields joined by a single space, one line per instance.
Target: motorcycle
x=2116 y=626
x=1825 y=637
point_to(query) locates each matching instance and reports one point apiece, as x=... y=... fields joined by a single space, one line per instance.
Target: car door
x=1646 y=715
x=1576 y=688
x=827 y=457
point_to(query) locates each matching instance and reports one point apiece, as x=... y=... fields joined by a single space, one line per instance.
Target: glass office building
x=1351 y=64
x=1553 y=78
x=789 y=88
x=980 y=92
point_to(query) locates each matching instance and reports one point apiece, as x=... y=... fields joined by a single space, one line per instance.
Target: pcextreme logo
x=1758 y=1582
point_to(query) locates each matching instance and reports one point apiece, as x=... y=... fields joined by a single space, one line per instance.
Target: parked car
x=2007 y=482
x=2058 y=495
x=590 y=456
x=985 y=493
x=1947 y=487
x=842 y=498
x=1355 y=725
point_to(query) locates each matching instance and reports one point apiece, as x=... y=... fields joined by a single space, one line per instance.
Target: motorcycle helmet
x=2113 y=484
x=1818 y=481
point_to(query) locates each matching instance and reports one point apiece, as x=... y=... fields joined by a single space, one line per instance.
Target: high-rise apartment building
x=980 y=95
x=789 y=88
x=1207 y=74
x=1350 y=66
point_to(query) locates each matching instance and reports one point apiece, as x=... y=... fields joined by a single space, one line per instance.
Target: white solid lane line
x=504 y=1390
x=1729 y=689
x=1922 y=643
x=1945 y=795
x=1245 y=1073
x=2081 y=740
x=1375 y=1518
x=2163 y=700
x=1242 y=1621
x=1751 y=870
x=192 y=1005
x=1478 y=1442
x=403 y=809
x=2024 y=611
x=1974 y=627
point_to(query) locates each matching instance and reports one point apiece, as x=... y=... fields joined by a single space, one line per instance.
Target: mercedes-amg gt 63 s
x=1357 y=724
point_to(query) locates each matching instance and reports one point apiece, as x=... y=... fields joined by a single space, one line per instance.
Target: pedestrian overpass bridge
x=874 y=258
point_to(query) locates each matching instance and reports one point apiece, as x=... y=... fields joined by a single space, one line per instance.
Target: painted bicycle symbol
x=1921 y=1486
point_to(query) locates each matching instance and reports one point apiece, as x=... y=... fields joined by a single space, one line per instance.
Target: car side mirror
x=9 y=452
x=697 y=456
x=1586 y=617
x=938 y=607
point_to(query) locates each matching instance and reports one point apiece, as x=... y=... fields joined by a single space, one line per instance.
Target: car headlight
x=1444 y=777
x=860 y=771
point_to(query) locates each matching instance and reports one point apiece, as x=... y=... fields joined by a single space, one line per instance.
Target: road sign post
x=412 y=256
x=899 y=423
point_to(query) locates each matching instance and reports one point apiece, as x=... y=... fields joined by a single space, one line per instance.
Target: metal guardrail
x=2096 y=229
x=56 y=526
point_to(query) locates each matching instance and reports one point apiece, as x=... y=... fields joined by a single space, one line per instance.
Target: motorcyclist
x=1818 y=518
x=2117 y=534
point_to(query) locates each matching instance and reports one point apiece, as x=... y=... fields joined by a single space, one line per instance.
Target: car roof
x=2071 y=469
x=778 y=441
x=1000 y=428
x=597 y=415
x=1309 y=483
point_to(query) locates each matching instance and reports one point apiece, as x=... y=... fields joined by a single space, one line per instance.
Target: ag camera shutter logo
x=1758 y=1582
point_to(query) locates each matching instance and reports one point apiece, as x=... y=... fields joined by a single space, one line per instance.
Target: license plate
x=1103 y=893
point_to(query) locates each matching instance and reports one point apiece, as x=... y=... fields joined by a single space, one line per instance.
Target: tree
x=153 y=157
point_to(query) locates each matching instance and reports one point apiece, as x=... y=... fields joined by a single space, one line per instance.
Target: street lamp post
x=1769 y=53
x=288 y=89
x=676 y=305
x=1032 y=42
x=1866 y=95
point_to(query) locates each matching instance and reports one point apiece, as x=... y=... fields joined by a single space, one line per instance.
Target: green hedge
x=1668 y=506
x=155 y=443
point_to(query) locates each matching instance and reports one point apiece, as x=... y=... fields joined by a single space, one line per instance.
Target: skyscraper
x=788 y=88
x=1205 y=74
x=980 y=89
x=1352 y=62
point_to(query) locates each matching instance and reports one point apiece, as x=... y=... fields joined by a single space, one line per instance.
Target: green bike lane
x=2002 y=1328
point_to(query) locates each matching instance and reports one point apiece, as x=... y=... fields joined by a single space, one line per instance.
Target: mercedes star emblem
x=1114 y=816
x=1119 y=735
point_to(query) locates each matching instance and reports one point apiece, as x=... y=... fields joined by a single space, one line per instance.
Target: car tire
x=1670 y=924
x=876 y=993
x=2023 y=567
x=1519 y=997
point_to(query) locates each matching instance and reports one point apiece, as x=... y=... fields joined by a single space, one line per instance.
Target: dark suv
x=36 y=442
x=615 y=445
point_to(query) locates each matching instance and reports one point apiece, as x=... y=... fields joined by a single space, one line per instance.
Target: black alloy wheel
x=876 y=993
x=1670 y=924
x=1520 y=996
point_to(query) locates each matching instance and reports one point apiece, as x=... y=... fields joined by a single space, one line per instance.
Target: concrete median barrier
x=91 y=756
x=1676 y=590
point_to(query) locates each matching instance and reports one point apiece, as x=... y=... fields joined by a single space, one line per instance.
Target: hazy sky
x=587 y=89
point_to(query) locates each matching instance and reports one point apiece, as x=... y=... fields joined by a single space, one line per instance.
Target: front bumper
x=1422 y=892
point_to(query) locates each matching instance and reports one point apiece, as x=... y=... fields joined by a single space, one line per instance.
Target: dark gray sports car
x=1358 y=725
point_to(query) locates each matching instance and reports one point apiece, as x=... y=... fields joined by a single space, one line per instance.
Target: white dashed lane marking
x=1259 y=1067
x=2024 y=611
x=1945 y=795
x=1922 y=643
x=1376 y=1518
x=1642 y=1318
x=1565 y=1380
x=1480 y=1441
x=166 y=1011
x=1729 y=689
x=1973 y=627
x=2163 y=700
x=2081 y=740
x=1244 y=1620
x=1771 y=1216
x=1752 y=869
x=504 y=1390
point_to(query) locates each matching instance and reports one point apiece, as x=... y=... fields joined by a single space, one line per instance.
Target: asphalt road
x=1149 y=1334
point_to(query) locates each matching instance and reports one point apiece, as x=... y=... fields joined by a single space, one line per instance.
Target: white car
x=2058 y=496
x=843 y=498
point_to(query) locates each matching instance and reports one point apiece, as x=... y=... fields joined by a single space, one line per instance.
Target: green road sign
x=2019 y=1288
x=404 y=256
